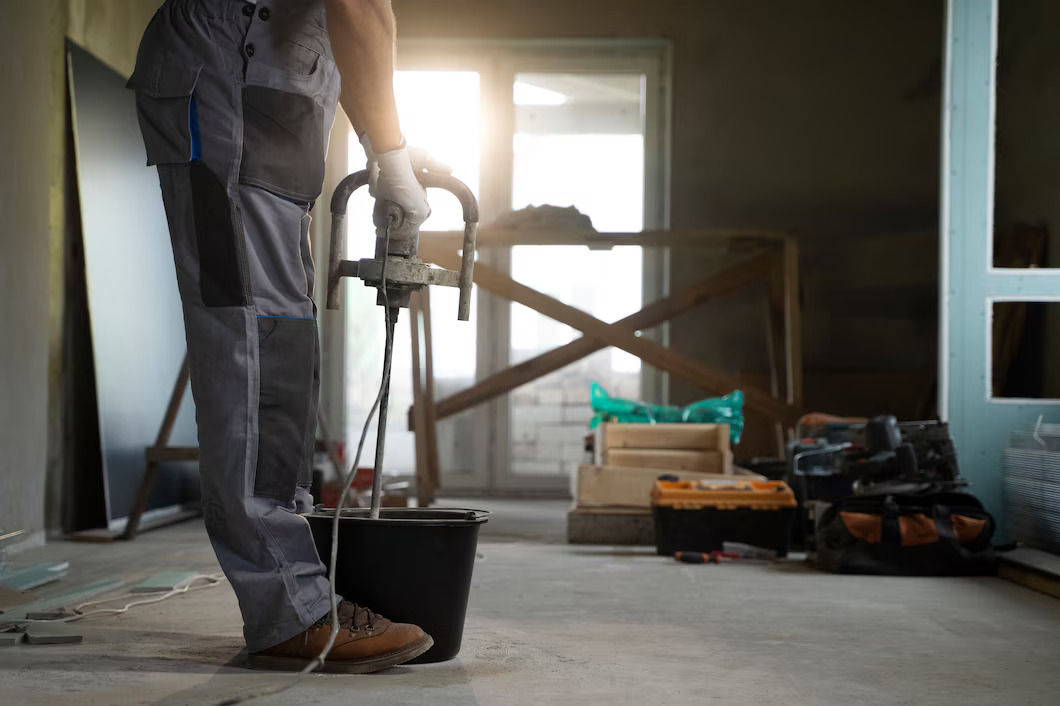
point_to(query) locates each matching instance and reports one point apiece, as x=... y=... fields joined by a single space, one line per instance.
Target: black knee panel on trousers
x=223 y=275
x=284 y=400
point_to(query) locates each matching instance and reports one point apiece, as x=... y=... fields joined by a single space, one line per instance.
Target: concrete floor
x=551 y=623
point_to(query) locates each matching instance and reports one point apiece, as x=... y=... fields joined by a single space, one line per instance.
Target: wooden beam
x=650 y=352
x=792 y=321
x=431 y=429
x=688 y=238
x=147 y=483
x=417 y=415
x=329 y=445
x=736 y=277
x=171 y=454
x=776 y=345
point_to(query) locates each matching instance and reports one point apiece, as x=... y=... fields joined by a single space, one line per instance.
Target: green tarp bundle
x=714 y=410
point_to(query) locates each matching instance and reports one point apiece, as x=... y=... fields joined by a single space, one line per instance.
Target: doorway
x=522 y=125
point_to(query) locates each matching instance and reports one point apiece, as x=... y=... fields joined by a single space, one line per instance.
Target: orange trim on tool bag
x=917 y=529
x=967 y=528
x=864 y=526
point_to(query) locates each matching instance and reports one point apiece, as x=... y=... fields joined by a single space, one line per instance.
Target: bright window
x=579 y=142
x=439 y=112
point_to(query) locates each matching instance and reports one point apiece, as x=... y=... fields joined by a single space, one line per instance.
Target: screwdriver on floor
x=713 y=557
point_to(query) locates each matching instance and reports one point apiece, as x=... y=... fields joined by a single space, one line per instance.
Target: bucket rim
x=445 y=516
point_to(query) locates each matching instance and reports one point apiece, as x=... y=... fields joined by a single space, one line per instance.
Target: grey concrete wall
x=31 y=141
x=817 y=114
x=111 y=29
x=33 y=201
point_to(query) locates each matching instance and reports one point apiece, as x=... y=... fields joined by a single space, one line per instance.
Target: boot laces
x=353 y=617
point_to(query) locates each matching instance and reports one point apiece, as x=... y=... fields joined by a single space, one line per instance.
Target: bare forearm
x=362 y=40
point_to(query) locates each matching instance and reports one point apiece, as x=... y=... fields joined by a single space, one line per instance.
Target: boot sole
x=347 y=666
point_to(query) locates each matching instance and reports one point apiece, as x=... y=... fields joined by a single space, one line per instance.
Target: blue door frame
x=969 y=284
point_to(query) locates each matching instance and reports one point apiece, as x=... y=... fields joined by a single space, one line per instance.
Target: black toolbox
x=700 y=517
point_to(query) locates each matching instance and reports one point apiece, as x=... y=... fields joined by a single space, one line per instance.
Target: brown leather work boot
x=367 y=642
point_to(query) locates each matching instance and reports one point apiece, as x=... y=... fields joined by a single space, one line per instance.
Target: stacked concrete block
x=550 y=417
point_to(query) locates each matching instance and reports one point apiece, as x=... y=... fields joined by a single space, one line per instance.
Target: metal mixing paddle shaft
x=396 y=272
x=384 y=403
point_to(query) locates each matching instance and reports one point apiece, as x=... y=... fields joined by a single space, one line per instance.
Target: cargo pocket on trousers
x=285 y=362
x=283 y=143
x=166 y=110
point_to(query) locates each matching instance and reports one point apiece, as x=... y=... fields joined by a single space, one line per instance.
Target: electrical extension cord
x=319 y=660
x=384 y=383
x=79 y=614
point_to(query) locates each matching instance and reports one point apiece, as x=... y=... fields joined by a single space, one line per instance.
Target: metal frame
x=969 y=282
x=653 y=64
x=776 y=266
x=154 y=456
x=497 y=63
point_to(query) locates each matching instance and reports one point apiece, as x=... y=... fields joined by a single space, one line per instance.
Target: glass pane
x=1026 y=217
x=1020 y=366
x=440 y=112
x=579 y=142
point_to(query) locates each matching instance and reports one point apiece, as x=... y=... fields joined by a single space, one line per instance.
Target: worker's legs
x=239 y=145
x=253 y=370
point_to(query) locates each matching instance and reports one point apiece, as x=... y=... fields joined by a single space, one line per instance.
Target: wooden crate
x=612 y=486
x=671 y=460
x=611 y=526
x=680 y=437
x=703 y=448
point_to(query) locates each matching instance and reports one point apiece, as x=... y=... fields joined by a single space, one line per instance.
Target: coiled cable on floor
x=79 y=612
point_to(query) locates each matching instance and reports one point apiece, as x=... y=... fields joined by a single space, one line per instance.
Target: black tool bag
x=937 y=534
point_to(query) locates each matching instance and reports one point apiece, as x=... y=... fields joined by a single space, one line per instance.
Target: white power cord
x=318 y=661
x=387 y=360
x=186 y=586
x=79 y=613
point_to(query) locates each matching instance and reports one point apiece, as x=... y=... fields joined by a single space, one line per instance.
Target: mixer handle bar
x=339 y=267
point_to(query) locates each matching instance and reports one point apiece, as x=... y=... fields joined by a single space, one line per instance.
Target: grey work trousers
x=235 y=103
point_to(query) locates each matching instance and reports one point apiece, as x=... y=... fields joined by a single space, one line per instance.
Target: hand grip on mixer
x=339 y=267
x=470 y=205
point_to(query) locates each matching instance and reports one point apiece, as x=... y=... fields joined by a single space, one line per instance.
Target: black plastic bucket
x=411 y=565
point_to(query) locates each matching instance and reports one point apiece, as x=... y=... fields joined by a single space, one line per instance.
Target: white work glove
x=392 y=177
x=422 y=161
